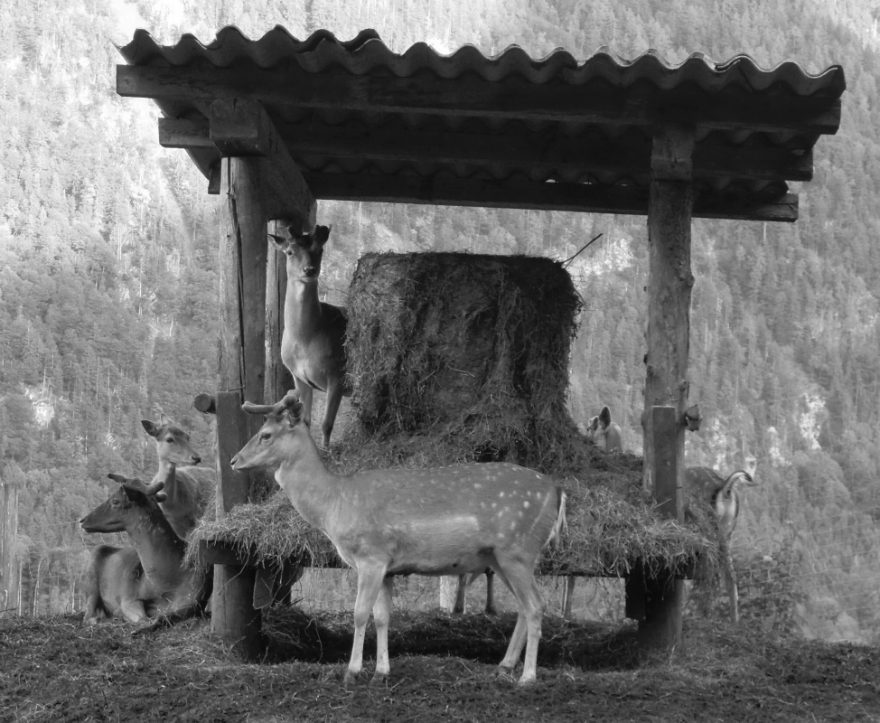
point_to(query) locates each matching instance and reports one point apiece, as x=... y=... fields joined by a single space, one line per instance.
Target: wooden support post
x=278 y=378
x=241 y=376
x=670 y=281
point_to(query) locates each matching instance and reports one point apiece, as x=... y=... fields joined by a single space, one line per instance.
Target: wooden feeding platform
x=279 y=123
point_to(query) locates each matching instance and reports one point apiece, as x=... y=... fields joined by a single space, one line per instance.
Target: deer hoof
x=379 y=680
x=350 y=678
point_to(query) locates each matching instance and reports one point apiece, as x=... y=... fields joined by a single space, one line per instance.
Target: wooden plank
x=278 y=378
x=470 y=96
x=542 y=152
x=242 y=358
x=522 y=193
x=241 y=127
x=670 y=282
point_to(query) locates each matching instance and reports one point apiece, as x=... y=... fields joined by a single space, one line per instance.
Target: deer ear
x=277 y=240
x=150 y=427
x=321 y=234
x=116 y=477
x=605 y=416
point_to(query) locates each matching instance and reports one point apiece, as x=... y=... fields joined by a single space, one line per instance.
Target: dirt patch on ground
x=443 y=668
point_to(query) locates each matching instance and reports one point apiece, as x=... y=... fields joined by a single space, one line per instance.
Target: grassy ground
x=443 y=668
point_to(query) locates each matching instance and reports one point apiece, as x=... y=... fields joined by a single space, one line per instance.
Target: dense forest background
x=108 y=276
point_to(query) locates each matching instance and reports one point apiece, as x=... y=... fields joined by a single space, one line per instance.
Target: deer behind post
x=723 y=495
x=187 y=489
x=444 y=521
x=313 y=341
x=605 y=433
x=149 y=577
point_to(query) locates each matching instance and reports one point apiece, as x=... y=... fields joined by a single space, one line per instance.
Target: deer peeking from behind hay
x=443 y=521
x=313 y=341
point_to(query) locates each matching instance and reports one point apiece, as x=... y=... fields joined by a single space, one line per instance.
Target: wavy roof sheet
x=364 y=122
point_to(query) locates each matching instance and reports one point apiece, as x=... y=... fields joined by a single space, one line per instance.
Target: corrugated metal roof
x=364 y=122
x=366 y=53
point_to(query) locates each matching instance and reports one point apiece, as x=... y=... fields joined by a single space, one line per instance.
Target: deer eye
x=265 y=436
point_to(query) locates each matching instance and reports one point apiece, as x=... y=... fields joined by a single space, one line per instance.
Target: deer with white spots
x=604 y=433
x=313 y=340
x=444 y=521
x=724 y=497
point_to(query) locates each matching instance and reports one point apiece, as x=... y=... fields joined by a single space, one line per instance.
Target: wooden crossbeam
x=470 y=96
x=520 y=193
x=542 y=152
x=240 y=127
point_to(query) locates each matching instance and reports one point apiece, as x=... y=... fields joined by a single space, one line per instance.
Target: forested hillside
x=108 y=282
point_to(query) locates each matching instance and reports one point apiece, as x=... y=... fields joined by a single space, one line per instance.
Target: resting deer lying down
x=187 y=489
x=148 y=578
x=450 y=520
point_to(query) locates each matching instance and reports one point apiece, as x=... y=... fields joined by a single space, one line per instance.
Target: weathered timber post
x=670 y=282
x=241 y=374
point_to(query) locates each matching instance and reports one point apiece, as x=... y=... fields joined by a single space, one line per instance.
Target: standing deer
x=187 y=489
x=449 y=520
x=312 y=344
x=605 y=433
x=723 y=495
x=148 y=578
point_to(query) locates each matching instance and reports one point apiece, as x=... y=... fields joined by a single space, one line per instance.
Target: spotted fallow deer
x=148 y=578
x=443 y=521
x=723 y=495
x=187 y=489
x=313 y=340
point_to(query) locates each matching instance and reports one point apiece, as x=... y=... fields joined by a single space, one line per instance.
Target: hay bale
x=469 y=351
x=461 y=358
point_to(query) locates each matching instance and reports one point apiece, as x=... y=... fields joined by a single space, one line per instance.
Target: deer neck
x=158 y=546
x=302 y=308
x=309 y=485
x=168 y=474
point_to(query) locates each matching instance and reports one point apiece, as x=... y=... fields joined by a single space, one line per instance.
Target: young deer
x=603 y=432
x=312 y=344
x=723 y=496
x=187 y=489
x=444 y=521
x=148 y=578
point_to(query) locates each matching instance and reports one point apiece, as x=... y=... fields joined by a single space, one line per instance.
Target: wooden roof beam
x=239 y=127
x=543 y=152
x=471 y=96
x=521 y=193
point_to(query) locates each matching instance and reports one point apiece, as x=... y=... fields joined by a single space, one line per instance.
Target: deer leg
x=490 y=592
x=334 y=397
x=458 y=607
x=382 y=619
x=133 y=610
x=730 y=579
x=369 y=582
x=521 y=581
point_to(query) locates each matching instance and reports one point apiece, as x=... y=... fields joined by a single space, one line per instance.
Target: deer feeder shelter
x=279 y=123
